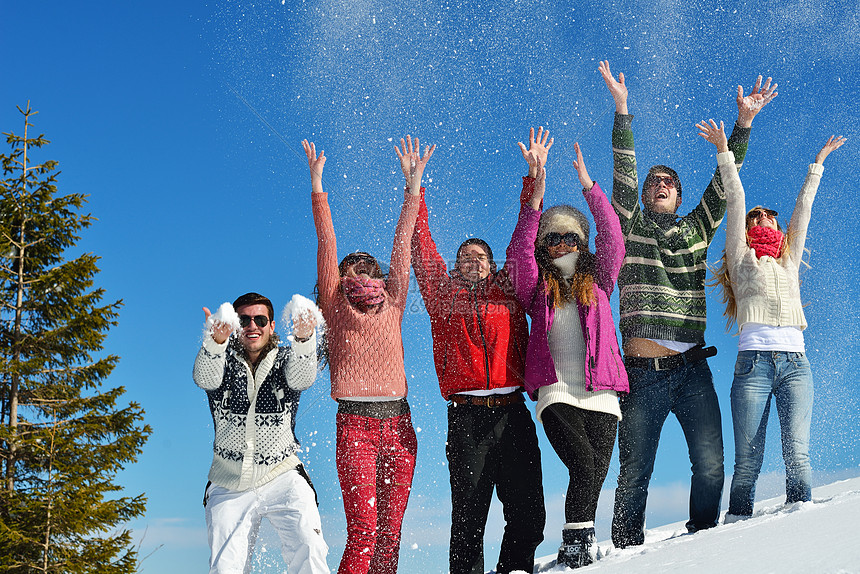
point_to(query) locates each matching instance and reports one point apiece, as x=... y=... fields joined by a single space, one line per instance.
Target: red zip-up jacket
x=479 y=329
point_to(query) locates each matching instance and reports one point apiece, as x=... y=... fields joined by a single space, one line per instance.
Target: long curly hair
x=580 y=288
x=723 y=280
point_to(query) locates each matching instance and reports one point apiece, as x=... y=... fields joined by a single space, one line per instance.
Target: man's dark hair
x=255 y=299
x=663 y=169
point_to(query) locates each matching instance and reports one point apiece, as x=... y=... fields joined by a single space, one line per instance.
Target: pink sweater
x=365 y=349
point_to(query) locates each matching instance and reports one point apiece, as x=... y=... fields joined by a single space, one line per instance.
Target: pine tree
x=63 y=438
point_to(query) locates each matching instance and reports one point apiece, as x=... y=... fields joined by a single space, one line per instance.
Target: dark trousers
x=583 y=441
x=494 y=448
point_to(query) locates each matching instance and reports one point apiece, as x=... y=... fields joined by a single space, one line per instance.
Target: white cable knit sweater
x=252 y=450
x=766 y=290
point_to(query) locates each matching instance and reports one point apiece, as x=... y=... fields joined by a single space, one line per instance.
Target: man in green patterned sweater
x=662 y=299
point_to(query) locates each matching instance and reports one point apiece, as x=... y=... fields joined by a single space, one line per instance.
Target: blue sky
x=184 y=123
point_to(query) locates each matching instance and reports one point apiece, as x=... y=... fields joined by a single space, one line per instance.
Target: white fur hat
x=563 y=219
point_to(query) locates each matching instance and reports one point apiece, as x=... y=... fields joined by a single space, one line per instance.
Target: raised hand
x=220 y=331
x=835 y=142
x=315 y=163
x=579 y=164
x=617 y=88
x=759 y=97
x=540 y=187
x=715 y=135
x=538 y=149
x=412 y=162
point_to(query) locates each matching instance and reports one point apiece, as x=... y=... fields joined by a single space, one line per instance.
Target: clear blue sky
x=183 y=124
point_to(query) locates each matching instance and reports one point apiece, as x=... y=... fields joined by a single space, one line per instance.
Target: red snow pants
x=375 y=464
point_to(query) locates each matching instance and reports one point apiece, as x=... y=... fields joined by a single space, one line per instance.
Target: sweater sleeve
x=301 y=368
x=625 y=181
x=799 y=223
x=328 y=276
x=430 y=268
x=709 y=213
x=398 y=275
x=209 y=364
x=735 y=208
x=521 y=265
x=609 y=243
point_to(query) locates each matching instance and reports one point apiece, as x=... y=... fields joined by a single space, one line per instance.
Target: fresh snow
x=225 y=315
x=302 y=307
x=810 y=537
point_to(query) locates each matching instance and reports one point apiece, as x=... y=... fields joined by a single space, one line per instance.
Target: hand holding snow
x=221 y=323
x=301 y=311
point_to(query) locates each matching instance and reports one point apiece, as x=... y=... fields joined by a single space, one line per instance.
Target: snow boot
x=575 y=550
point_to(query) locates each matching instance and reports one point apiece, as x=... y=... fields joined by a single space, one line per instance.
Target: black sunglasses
x=761 y=212
x=570 y=239
x=260 y=320
x=354 y=258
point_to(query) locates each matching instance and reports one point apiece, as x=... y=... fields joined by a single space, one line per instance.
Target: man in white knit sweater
x=253 y=387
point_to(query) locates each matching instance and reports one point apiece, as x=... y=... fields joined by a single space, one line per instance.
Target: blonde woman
x=761 y=289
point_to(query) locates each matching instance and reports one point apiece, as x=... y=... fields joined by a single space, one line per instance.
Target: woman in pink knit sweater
x=376 y=443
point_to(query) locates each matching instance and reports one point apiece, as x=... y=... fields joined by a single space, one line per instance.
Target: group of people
x=568 y=359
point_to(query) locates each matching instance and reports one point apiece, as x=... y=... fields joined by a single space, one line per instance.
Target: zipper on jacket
x=483 y=338
x=590 y=361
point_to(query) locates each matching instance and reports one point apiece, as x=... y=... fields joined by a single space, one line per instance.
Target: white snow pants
x=233 y=521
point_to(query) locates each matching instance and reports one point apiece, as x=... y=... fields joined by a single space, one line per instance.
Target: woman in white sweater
x=761 y=289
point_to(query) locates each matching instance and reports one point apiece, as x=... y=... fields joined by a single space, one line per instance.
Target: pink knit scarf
x=363 y=291
x=765 y=241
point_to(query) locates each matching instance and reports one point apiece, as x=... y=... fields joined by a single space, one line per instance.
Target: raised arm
x=736 y=202
x=522 y=265
x=412 y=163
x=430 y=269
x=709 y=213
x=749 y=106
x=625 y=181
x=617 y=88
x=538 y=150
x=797 y=227
x=536 y=157
x=609 y=242
x=328 y=276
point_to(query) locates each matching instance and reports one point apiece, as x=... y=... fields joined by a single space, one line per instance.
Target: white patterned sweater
x=767 y=290
x=254 y=413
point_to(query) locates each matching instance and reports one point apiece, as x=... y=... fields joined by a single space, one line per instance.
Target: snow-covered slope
x=822 y=536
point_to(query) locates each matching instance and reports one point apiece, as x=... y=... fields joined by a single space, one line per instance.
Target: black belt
x=697 y=353
x=491 y=401
x=373 y=409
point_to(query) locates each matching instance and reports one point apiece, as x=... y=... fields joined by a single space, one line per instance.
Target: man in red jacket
x=479 y=347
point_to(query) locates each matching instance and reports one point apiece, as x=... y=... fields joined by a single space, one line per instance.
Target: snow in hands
x=224 y=316
x=302 y=309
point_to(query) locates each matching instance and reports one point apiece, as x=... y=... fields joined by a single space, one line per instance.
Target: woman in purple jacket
x=573 y=364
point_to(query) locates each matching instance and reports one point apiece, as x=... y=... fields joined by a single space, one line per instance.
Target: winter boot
x=575 y=550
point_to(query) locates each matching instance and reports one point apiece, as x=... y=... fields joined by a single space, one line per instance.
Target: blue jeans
x=688 y=392
x=786 y=376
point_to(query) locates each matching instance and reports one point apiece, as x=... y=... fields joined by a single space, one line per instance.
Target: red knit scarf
x=765 y=241
x=363 y=291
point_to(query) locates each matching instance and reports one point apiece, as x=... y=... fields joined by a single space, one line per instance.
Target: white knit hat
x=563 y=219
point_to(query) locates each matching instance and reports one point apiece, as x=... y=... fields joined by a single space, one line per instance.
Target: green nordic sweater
x=662 y=282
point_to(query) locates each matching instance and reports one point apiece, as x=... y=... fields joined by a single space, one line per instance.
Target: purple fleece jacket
x=604 y=366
